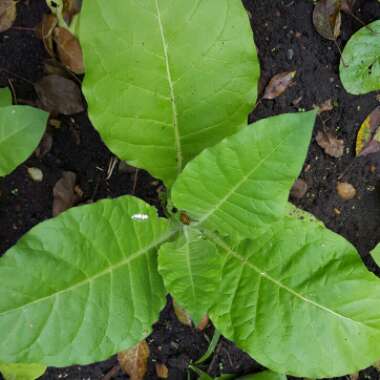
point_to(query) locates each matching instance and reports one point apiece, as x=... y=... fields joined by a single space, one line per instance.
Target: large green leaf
x=243 y=183
x=165 y=79
x=5 y=97
x=375 y=253
x=299 y=300
x=21 y=129
x=22 y=371
x=82 y=286
x=360 y=64
x=191 y=268
x=264 y=375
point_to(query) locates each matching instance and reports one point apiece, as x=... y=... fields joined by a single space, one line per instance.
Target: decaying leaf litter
x=285 y=94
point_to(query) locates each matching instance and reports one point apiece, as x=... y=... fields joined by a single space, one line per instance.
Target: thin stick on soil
x=112 y=373
x=340 y=52
x=13 y=91
x=135 y=178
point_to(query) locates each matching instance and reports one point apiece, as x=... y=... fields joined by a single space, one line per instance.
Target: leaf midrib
x=241 y=182
x=177 y=138
x=107 y=271
x=262 y=274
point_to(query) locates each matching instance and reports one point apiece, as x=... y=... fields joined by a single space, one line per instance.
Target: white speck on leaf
x=140 y=217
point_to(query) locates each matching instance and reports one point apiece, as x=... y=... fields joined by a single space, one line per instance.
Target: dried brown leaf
x=135 y=360
x=8 y=14
x=45 y=145
x=279 y=84
x=64 y=195
x=162 y=371
x=368 y=139
x=70 y=9
x=45 y=30
x=69 y=50
x=326 y=106
x=299 y=189
x=182 y=314
x=332 y=146
x=347 y=6
x=59 y=95
x=327 y=18
x=203 y=323
x=345 y=190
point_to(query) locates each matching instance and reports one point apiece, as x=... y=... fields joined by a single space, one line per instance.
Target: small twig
x=135 y=178
x=112 y=372
x=340 y=52
x=13 y=91
x=24 y=28
x=16 y=76
x=346 y=170
x=111 y=167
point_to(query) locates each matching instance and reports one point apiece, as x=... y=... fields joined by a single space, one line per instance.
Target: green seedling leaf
x=190 y=267
x=5 y=97
x=84 y=285
x=162 y=89
x=243 y=183
x=299 y=300
x=19 y=371
x=375 y=253
x=362 y=58
x=264 y=375
x=21 y=129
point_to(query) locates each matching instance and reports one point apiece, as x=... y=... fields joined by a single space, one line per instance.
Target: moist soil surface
x=286 y=40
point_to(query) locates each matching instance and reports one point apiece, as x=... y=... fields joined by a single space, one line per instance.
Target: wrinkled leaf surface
x=166 y=79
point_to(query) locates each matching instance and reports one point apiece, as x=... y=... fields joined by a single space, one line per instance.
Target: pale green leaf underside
x=375 y=253
x=21 y=129
x=362 y=56
x=82 y=286
x=299 y=300
x=5 y=97
x=166 y=79
x=21 y=371
x=191 y=267
x=264 y=375
x=243 y=183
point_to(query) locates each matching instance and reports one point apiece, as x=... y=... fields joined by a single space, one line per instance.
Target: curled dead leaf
x=332 y=146
x=45 y=30
x=368 y=139
x=182 y=314
x=299 y=189
x=203 y=323
x=69 y=50
x=59 y=95
x=326 y=106
x=327 y=18
x=8 y=14
x=162 y=371
x=345 y=190
x=64 y=195
x=279 y=84
x=134 y=361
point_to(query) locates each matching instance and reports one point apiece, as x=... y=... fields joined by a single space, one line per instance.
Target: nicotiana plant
x=169 y=85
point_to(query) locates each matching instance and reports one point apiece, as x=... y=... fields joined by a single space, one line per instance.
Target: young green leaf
x=375 y=253
x=264 y=375
x=299 y=300
x=84 y=285
x=21 y=129
x=190 y=267
x=361 y=74
x=243 y=183
x=5 y=97
x=19 y=371
x=162 y=89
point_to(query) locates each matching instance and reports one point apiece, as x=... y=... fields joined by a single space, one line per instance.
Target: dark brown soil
x=286 y=40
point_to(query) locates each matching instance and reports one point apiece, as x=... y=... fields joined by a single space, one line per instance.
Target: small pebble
x=35 y=174
x=345 y=190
